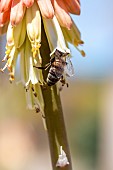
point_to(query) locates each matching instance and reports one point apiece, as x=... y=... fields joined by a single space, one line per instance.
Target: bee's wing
x=69 y=69
x=58 y=73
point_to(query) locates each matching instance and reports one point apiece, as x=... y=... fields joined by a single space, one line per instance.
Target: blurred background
x=87 y=103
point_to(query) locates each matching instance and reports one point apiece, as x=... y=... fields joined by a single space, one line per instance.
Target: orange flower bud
x=17 y=12
x=5 y=5
x=4 y=18
x=46 y=8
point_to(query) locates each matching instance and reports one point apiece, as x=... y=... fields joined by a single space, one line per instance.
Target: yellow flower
x=22 y=19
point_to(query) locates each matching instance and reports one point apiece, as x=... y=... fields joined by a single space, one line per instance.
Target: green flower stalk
x=38 y=32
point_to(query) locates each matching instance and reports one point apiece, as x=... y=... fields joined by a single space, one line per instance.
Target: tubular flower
x=22 y=21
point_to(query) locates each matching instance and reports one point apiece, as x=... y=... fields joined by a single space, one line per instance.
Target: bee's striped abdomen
x=54 y=74
x=52 y=78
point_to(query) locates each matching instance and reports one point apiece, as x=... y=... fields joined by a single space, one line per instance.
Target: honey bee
x=60 y=66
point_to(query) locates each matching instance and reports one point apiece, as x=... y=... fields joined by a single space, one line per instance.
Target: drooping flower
x=22 y=20
x=14 y=10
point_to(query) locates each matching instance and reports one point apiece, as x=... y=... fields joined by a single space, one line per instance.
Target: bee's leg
x=43 y=67
x=43 y=85
x=63 y=81
x=67 y=84
x=60 y=88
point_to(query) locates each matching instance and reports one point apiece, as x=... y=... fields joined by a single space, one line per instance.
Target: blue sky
x=96 y=26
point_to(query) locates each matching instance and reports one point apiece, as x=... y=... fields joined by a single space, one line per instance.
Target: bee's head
x=61 y=53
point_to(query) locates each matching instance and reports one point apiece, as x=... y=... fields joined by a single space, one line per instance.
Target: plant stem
x=53 y=113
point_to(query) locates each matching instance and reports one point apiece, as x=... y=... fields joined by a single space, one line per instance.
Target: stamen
x=2 y=69
x=11 y=77
x=81 y=51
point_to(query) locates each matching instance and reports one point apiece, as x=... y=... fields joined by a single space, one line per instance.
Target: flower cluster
x=22 y=21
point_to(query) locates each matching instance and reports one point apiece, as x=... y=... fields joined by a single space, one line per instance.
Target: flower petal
x=73 y=35
x=54 y=34
x=33 y=102
x=46 y=8
x=13 y=65
x=33 y=23
x=39 y=98
x=19 y=33
x=32 y=74
x=23 y=65
x=28 y=3
x=62 y=14
x=29 y=73
x=73 y=6
x=5 y=5
x=17 y=12
x=10 y=36
x=4 y=17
